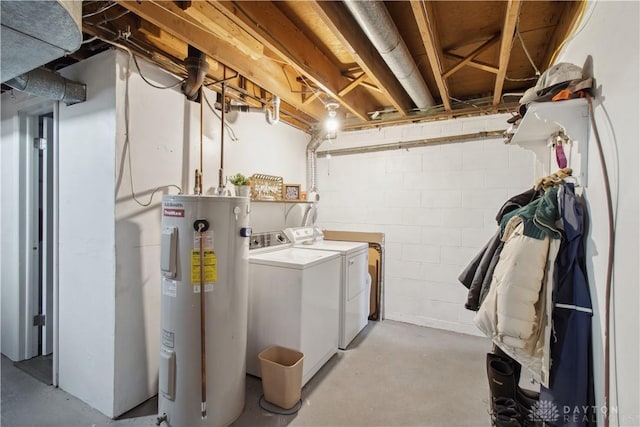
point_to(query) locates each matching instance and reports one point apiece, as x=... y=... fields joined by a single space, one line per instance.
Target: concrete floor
x=393 y=374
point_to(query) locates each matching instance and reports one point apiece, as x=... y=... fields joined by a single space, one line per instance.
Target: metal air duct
x=50 y=85
x=374 y=19
x=312 y=146
x=197 y=67
x=37 y=32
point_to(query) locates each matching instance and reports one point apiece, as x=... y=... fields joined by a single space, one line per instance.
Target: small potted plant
x=241 y=184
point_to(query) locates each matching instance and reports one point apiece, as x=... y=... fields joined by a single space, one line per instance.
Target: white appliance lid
x=337 y=245
x=293 y=258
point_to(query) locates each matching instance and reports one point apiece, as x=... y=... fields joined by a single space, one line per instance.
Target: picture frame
x=291 y=191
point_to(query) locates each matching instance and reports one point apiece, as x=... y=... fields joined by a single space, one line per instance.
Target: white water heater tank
x=203 y=335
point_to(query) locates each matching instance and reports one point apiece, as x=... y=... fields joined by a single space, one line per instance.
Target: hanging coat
x=478 y=274
x=516 y=312
x=571 y=387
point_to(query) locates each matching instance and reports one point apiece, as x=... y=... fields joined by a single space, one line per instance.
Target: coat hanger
x=554 y=179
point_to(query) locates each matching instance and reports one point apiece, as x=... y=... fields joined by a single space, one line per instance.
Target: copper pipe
x=201 y=138
x=203 y=335
x=221 y=171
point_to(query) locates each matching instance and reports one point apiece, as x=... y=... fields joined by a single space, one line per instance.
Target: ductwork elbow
x=47 y=84
x=273 y=118
x=197 y=68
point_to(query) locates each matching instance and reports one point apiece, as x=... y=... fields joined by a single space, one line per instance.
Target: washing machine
x=355 y=282
x=293 y=301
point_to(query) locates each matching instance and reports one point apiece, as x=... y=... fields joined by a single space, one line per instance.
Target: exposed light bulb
x=331 y=124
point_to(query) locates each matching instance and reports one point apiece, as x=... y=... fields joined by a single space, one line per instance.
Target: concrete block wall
x=436 y=205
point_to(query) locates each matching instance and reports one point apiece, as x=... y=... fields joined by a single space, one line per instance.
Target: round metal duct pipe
x=45 y=83
x=374 y=19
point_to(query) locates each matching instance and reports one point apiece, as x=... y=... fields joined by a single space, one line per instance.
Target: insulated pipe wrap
x=47 y=84
x=374 y=19
x=313 y=145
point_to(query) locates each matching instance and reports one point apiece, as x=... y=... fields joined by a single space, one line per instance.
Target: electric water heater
x=203 y=320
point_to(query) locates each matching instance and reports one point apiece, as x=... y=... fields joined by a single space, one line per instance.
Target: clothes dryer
x=355 y=282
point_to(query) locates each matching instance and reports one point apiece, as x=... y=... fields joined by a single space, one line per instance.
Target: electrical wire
x=227 y=126
x=113 y=18
x=94 y=38
x=526 y=51
x=135 y=61
x=575 y=31
x=99 y=11
x=610 y=260
x=127 y=145
x=525 y=79
x=176 y=84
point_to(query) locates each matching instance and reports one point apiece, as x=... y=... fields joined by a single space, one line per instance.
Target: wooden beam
x=170 y=44
x=424 y=14
x=311 y=97
x=336 y=18
x=264 y=72
x=214 y=21
x=508 y=30
x=475 y=64
x=477 y=51
x=355 y=82
x=267 y=23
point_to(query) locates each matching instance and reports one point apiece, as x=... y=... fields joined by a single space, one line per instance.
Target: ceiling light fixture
x=331 y=124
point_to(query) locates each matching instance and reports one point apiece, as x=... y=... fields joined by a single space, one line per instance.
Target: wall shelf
x=281 y=201
x=543 y=120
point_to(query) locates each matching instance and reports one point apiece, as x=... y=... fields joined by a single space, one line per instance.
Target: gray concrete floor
x=393 y=374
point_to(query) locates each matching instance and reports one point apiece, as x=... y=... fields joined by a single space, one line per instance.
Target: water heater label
x=169 y=287
x=168 y=338
x=173 y=209
x=210 y=267
x=210 y=262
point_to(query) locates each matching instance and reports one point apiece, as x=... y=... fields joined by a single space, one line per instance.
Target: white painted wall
x=435 y=204
x=164 y=131
x=109 y=245
x=610 y=24
x=87 y=270
x=13 y=152
x=12 y=293
x=384 y=188
x=164 y=140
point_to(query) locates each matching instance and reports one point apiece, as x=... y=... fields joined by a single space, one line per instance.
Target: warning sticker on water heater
x=209 y=263
x=210 y=266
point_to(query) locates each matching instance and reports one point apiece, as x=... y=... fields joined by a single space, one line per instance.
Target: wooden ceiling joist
x=308 y=99
x=423 y=12
x=506 y=41
x=169 y=43
x=337 y=19
x=264 y=72
x=215 y=21
x=354 y=83
x=267 y=23
x=477 y=51
x=475 y=64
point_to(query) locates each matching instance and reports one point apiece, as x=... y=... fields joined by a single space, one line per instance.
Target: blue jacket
x=571 y=375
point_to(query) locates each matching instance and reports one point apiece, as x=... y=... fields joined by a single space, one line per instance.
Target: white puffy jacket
x=516 y=313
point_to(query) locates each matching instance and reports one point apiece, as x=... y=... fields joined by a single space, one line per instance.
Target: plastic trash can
x=281 y=370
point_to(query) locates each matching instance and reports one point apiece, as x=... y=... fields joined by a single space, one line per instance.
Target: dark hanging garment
x=571 y=377
x=477 y=275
